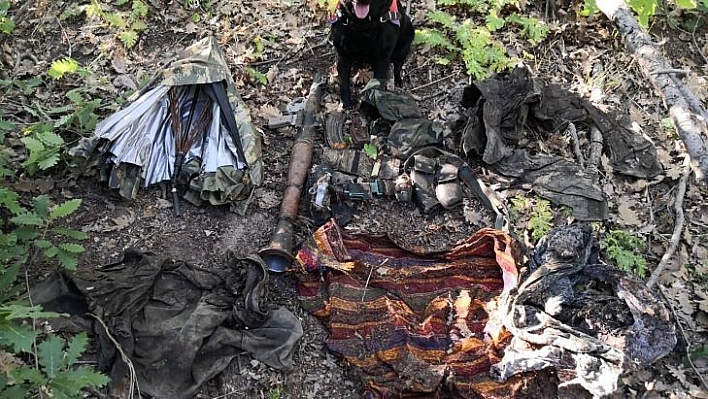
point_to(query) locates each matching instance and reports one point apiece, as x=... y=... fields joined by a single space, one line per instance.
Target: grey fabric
x=390 y=105
x=179 y=325
x=560 y=180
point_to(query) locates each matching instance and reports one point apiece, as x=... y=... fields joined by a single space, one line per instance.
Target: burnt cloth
x=411 y=323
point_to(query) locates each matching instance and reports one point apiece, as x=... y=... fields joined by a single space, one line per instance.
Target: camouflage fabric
x=204 y=62
x=223 y=167
x=390 y=105
x=409 y=135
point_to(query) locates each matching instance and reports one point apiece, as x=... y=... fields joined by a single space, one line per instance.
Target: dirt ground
x=583 y=55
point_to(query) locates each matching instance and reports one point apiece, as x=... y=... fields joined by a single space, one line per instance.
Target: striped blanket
x=412 y=323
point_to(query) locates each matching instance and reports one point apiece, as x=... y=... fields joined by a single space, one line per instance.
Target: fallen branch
x=685 y=336
x=595 y=148
x=678 y=229
x=689 y=125
x=576 y=144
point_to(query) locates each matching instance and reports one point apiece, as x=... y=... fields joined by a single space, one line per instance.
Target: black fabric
x=504 y=109
x=630 y=153
x=179 y=325
x=217 y=91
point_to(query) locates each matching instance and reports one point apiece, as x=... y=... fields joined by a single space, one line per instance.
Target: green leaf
x=65 y=209
x=115 y=20
x=128 y=37
x=32 y=144
x=442 y=18
x=8 y=277
x=41 y=205
x=19 y=338
x=70 y=382
x=71 y=11
x=138 y=26
x=76 y=95
x=93 y=10
x=6 y=25
x=28 y=219
x=51 y=354
x=139 y=10
x=63 y=66
x=71 y=233
x=48 y=161
x=26 y=233
x=67 y=260
x=72 y=248
x=43 y=244
x=51 y=252
x=22 y=311
x=77 y=346
x=49 y=138
x=371 y=150
x=8 y=199
x=686 y=4
x=6 y=126
x=15 y=391
x=259 y=76
x=28 y=374
x=493 y=22
x=64 y=120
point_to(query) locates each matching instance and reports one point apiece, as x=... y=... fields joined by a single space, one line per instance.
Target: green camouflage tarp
x=135 y=146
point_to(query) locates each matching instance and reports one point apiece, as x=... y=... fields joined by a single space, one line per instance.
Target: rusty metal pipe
x=278 y=254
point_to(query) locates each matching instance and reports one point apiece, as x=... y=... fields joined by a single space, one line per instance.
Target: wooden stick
x=685 y=337
x=576 y=144
x=678 y=229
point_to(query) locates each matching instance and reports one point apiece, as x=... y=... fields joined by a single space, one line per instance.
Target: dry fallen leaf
x=626 y=215
x=268 y=111
x=272 y=74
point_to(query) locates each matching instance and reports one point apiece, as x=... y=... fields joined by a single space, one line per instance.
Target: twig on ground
x=429 y=96
x=695 y=43
x=648 y=198
x=685 y=337
x=690 y=98
x=576 y=144
x=682 y=72
x=432 y=83
x=595 y=148
x=34 y=321
x=678 y=229
x=363 y=295
x=134 y=386
x=227 y=394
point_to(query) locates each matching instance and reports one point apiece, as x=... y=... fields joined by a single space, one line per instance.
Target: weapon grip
x=175 y=202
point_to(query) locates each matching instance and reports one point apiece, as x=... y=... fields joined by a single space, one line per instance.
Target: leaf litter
x=286 y=42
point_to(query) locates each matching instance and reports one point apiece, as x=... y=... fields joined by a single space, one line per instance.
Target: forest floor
x=581 y=54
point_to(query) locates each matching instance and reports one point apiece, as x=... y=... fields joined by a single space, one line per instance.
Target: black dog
x=374 y=33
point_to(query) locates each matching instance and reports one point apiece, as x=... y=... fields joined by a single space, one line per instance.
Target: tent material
x=136 y=147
